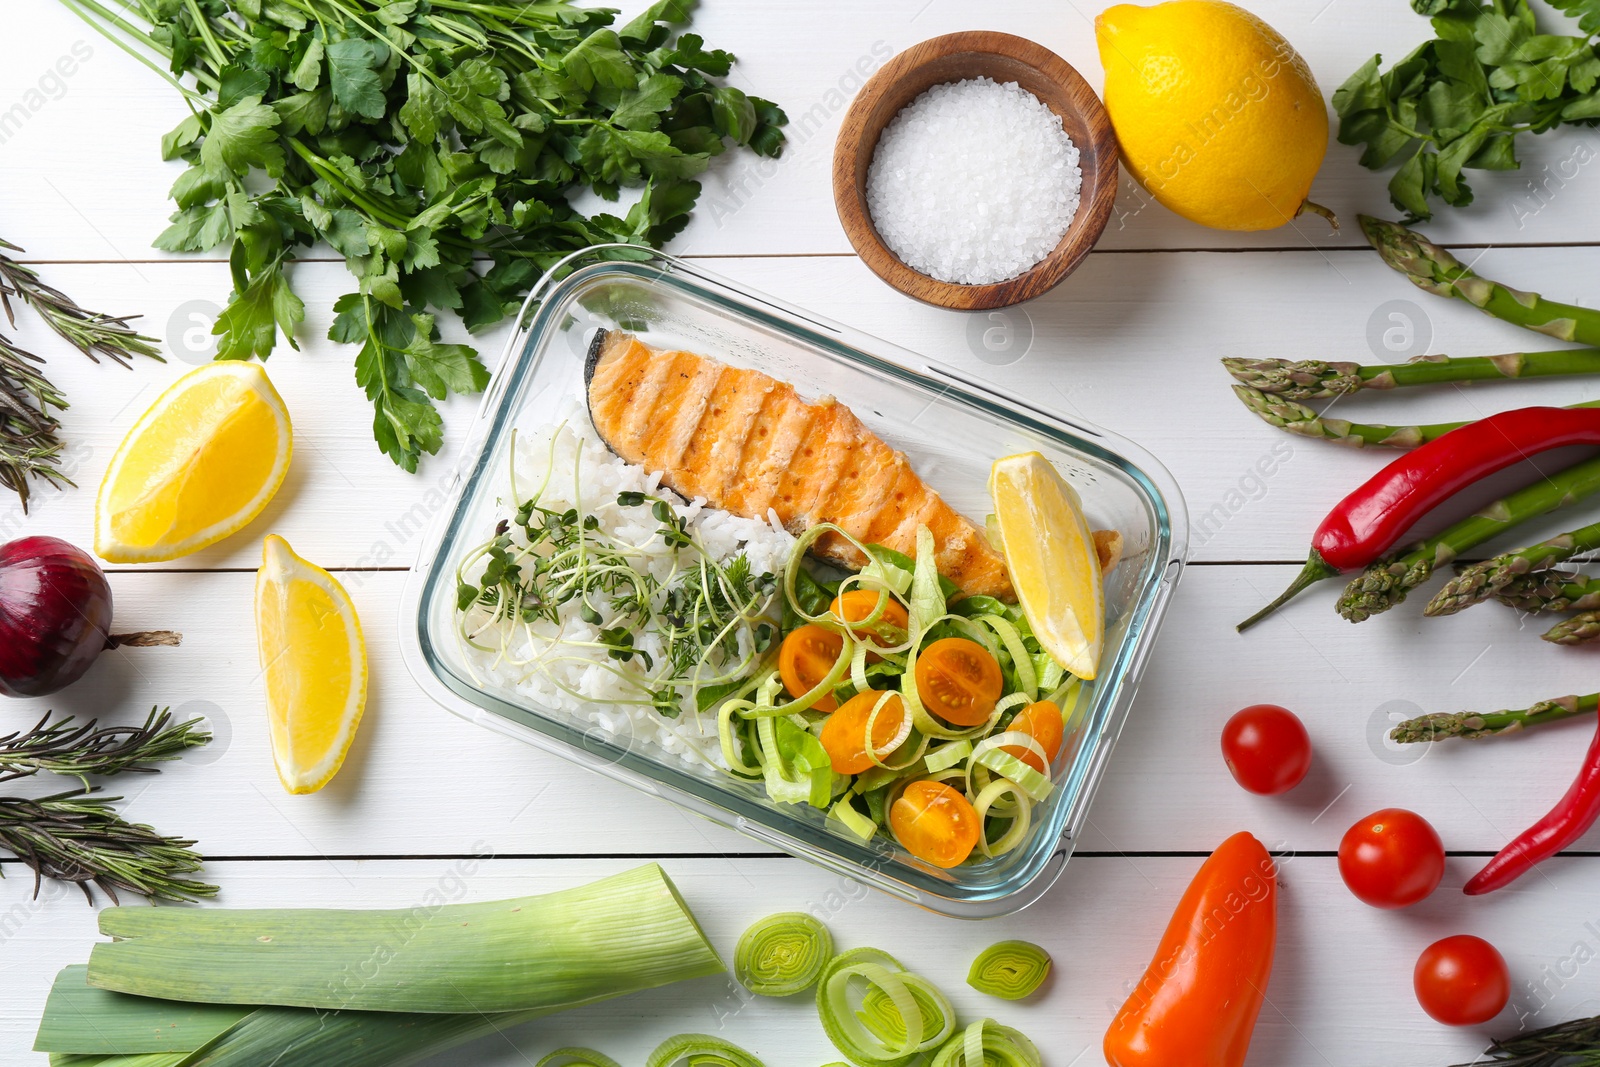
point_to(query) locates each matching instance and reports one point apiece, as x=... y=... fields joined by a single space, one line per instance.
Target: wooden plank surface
x=1100 y=926
x=1133 y=345
x=419 y=781
x=116 y=112
x=1130 y=342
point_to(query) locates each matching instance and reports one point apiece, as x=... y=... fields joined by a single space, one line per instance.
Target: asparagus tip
x=1380 y=231
x=1576 y=630
x=1436 y=727
x=1471 y=585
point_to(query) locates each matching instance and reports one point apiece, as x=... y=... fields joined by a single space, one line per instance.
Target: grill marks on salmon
x=748 y=443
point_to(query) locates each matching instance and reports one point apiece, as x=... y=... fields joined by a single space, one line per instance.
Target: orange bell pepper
x=1197 y=1003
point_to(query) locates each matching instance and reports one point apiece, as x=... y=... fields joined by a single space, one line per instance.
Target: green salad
x=897 y=704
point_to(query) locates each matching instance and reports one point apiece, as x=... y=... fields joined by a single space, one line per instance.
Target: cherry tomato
x=1461 y=981
x=1042 y=722
x=1391 y=859
x=804 y=660
x=934 y=823
x=959 y=681
x=858 y=604
x=844 y=735
x=1267 y=749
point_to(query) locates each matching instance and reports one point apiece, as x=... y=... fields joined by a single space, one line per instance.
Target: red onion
x=55 y=615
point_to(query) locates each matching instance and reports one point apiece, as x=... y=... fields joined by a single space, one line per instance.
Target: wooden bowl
x=954 y=57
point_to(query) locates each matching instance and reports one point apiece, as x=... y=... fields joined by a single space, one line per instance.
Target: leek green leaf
x=527 y=954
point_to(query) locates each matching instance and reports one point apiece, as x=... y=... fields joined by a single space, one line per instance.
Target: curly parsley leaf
x=418 y=142
x=308 y=71
x=1459 y=101
x=241 y=137
x=643 y=29
x=401 y=364
x=426 y=109
x=353 y=75
x=690 y=53
x=641 y=109
x=1587 y=12
x=598 y=60
x=441 y=369
x=262 y=303
x=196 y=229
x=405 y=423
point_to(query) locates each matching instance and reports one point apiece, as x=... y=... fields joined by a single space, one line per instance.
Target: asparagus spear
x=1288 y=415
x=1483 y=580
x=1582 y=627
x=1551 y=591
x=1469 y=724
x=1314 y=379
x=1434 y=270
x=1386 y=583
x=1285 y=414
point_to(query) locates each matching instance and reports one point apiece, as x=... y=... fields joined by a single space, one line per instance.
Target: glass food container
x=950 y=427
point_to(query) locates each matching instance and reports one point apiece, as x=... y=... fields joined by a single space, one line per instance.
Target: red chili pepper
x=1368 y=522
x=1567 y=821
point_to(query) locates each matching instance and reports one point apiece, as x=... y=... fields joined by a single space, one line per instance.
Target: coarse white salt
x=974 y=182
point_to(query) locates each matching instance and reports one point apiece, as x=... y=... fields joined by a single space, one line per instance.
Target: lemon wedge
x=1051 y=555
x=198 y=466
x=315 y=664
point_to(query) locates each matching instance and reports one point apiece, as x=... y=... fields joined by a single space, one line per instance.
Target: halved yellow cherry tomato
x=857 y=604
x=804 y=660
x=1042 y=722
x=934 y=823
x=959 y=681
x=844 y=735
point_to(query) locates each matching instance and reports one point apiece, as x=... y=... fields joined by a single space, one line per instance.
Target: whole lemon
x=1216 y=114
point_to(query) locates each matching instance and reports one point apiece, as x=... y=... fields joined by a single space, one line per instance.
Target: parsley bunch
x=1459 y=101
x=433 y=144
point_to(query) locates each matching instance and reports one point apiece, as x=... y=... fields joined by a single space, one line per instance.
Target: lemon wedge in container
x=1050 y=552
x=198 y=466
x=314 y=661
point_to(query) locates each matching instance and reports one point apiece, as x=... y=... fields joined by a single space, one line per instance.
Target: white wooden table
x=1131 y=342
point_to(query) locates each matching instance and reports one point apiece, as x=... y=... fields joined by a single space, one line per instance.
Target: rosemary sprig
x=29 y=445
x=1570 y=1044
x=80 y=838
x=78 y=751
x=93 y=333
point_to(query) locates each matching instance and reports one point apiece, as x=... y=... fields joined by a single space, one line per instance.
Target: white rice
x=974 y=182
x=587 y=476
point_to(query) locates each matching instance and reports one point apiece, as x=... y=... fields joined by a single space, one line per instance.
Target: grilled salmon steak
x=747 y=443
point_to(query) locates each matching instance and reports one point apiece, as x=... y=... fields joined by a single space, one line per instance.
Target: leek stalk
x=576 y=1057
x=121 y=1030
x=909 y=1017
x=545 y=953
x=81 y=1019
x=782 y=954
x=1010 y=970
x=139 y=1059
x=700 y=1050
x=987 y=1043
